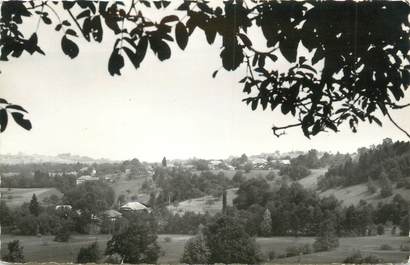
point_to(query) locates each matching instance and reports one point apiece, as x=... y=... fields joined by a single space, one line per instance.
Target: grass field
x=16 y=197
x=45 y=250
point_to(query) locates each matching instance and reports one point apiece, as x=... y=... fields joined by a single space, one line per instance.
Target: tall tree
x=138 y=242
x=266 y=224
x=34 y=206
x=229 y=243
x=164 y=162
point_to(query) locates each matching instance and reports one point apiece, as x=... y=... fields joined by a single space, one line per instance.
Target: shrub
x=62 y=235
x=380 y=229
x=386 y=247
x=357 y=258
x=372 y=259
x=167 y=239
x=271 y=255
x=306 y=249
x=293 y=251
x=15 y=253
x=404 y=247
x=88 y=254
x=196 y=251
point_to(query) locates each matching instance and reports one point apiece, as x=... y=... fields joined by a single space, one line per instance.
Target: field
x=16 y=197
x=43 y=249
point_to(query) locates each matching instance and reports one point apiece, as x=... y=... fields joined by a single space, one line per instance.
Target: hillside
x=20 y=158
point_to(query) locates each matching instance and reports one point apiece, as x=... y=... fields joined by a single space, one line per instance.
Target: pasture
x=15 y=197
x=44 y=249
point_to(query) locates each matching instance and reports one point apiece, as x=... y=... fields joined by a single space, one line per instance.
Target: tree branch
x=397 y=126
x=76 y=22
x=276 y=128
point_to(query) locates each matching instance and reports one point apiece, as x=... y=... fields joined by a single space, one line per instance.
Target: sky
x=173 y=108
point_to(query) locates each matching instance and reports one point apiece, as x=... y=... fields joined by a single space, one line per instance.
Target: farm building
x=85 y=178
x=112 y=214
x=134 y=206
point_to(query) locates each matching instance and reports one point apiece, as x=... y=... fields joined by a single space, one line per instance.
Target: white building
x=134 y=206
x=85 y=178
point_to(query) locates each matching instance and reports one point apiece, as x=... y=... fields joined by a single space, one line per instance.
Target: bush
x=88 y=254
x=293 y=251
x=167 y=239
x=15 y=253
x=62 y=235
x=404 y=247
x=380 y=229
x=357 y=258
x=386 y=247
x=306 y=249
x=271 y=255
x=196 y=251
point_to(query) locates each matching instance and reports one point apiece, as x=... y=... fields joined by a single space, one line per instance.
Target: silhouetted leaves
x=359 y=77
x=181 y=35
x=20 y=120
x=69 y=47
x=160 y=48
x=116 y=62
x=3 y=120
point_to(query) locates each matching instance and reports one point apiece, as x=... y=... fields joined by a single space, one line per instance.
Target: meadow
x=15 y=197
x=44 y=249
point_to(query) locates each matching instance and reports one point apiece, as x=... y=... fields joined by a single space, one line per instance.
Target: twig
x=76 y=22
x=397 y=126
x=276 y=128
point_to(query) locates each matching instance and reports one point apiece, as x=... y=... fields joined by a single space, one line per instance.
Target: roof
x=112 y=213
x=134 y=206
x=87 y=178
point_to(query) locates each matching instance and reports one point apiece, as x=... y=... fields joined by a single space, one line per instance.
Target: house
x=112 y=214
x=86 y=178
x=134 y=206
x=63 y=207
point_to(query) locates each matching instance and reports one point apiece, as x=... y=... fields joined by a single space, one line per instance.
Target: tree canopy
x=356 y=68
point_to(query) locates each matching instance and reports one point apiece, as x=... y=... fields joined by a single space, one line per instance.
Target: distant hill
x=67 y=158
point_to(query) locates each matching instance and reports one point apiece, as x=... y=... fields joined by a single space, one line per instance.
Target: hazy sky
x=172 y=109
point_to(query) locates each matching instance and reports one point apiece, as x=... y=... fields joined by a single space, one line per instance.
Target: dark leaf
x=31 y=44
x=288 y=48
x=181 y=35
x=246 y=41
x=3 y=101
x=168 y=19
x=165 y=3
x=66 y=23
x=205 y=8
x=46 y=20
x=19 y=119
x=157 y=4
x=254 y=104
x=16 y=107
x=68 y=5
x=71 y=32
x=3 y=120
x=69 y=47
x=58 y=27
x=85 y=13
x=210 y=34
x=98 y=31
x=214 y=73
x=115 y=63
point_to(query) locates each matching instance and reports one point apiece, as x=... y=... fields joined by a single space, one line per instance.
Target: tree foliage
x=196 y=251
x=138 y=242
x=354 y=71
x=15 y=252
x=229 y=243
x=89 y=254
